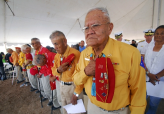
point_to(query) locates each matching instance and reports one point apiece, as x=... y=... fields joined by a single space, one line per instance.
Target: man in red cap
x=44 y=79
x=14 y=60
x=65 y=70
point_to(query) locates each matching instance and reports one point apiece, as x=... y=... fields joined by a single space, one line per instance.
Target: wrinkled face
x=28 y=50
x=24 y=51
x=149 y=38
x=60 y=44
x=35 y=44
x=97 y=36
x=9 y=51
x=159 y=35
x=18 y=50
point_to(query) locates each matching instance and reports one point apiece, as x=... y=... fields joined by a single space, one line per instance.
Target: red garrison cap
x=105 y=80
x=53 y=85
x=34 y=70
x=17 y=48
x=69 y=59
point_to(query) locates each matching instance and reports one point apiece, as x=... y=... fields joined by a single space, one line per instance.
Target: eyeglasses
x=94 y=27
x=34 y=43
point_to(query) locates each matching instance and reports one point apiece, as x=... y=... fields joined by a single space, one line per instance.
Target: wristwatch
x=76 y=94
x=147 y=72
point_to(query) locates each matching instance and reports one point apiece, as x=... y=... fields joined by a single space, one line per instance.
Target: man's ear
x=65 y=42
x=110 y=27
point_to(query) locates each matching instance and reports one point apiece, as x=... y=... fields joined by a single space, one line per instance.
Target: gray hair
x=39 y=58
x=24 y=47
x=8 y=49
x=102 y=9
x=57 y=34
x=36 y=39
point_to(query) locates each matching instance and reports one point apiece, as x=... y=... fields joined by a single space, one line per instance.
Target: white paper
x=157 y=90
x=78 y=108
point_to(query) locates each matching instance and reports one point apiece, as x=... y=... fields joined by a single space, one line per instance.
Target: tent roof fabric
x=39 y=18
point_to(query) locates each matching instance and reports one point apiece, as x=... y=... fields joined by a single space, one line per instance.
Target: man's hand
x=90 y=68
x=52 y=78
x=24 y=65
x=63 y=67
x=28 y=61
x=39 y=76
x=153 y=77
x=74 y=99
x=153 y=82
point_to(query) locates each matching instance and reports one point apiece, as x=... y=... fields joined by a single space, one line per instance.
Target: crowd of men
x=112 y=73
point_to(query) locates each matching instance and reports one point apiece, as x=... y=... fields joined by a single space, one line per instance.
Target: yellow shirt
x=14 y=56
x=21 y=58
x=130 y=82
x=67 y=75
x=30 y=65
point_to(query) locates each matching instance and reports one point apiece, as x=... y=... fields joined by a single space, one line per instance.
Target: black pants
x=2 y=73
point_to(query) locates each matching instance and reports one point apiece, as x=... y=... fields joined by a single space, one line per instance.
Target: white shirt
x=142 y=46
x=127 y=42
x=154 y=60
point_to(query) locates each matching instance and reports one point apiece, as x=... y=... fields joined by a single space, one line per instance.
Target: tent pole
x=153 y=14
x=4 y=42
x=159 y=12
x=4 y=45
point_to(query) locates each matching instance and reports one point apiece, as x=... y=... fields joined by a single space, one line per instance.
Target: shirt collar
x=37 y=51
x=108 y=50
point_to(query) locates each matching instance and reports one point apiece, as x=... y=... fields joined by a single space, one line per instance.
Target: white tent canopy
x=39 y=18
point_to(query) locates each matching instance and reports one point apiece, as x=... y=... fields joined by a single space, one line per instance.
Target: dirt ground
x=20 y=100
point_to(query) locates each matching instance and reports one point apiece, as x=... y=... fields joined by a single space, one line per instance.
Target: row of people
x=112 y=73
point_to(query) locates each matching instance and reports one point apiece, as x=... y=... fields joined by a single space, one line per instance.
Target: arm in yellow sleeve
x=79 y=76
x=15 y=58
x=21 y=58
x=79 y=89
x=54 y=68
x=137 y=85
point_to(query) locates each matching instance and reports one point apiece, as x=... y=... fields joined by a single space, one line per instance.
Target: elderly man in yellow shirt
x=26 y=49
x=130 y=86
x=21 y=56
x=64 y=71
x=15 y=59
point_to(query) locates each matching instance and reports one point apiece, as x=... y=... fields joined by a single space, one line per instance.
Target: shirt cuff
x=55 y=72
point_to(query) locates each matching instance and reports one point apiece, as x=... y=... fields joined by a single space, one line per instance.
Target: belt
x=66 y=83
x=115 y=111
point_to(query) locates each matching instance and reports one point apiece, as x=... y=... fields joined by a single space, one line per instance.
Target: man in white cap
x=118 y=37
x=142 y=46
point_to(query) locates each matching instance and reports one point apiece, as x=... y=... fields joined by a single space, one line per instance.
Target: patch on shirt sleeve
x=142 y=64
